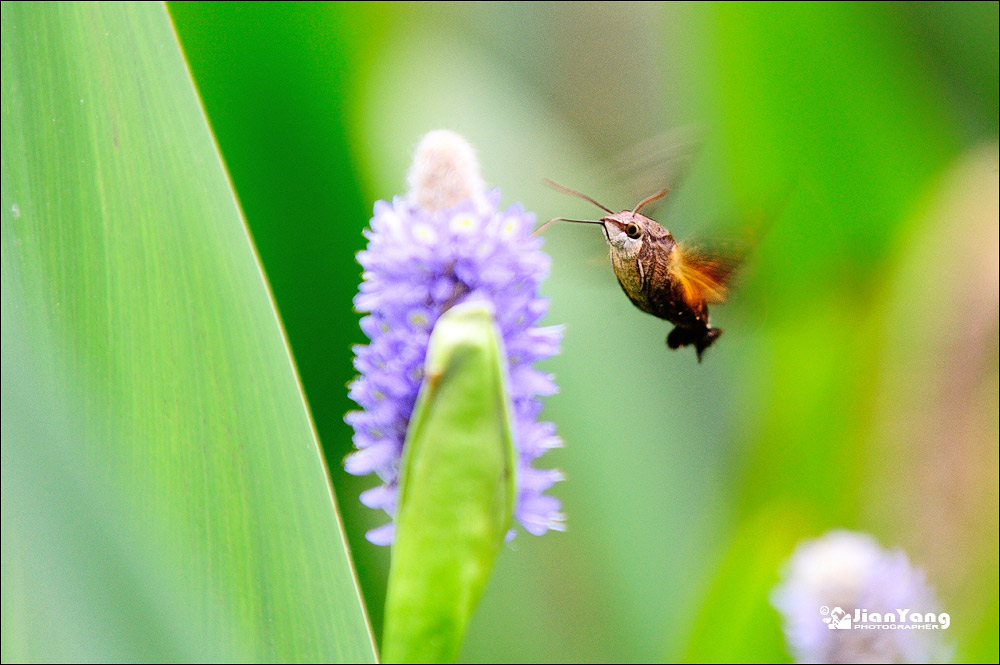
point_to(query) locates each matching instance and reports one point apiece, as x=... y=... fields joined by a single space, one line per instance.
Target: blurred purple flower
x=844 y=599
x=448 y=243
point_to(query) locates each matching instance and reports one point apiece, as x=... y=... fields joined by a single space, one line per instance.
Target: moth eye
x=633 y=231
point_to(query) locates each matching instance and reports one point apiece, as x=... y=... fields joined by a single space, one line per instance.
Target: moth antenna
x=567 y=190
x=649 y=199
x=563 y=219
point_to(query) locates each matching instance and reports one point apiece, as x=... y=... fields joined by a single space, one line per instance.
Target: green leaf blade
x=141 y=298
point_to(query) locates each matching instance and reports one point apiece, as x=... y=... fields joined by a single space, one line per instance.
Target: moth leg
x=681 y=336
x=702 y=338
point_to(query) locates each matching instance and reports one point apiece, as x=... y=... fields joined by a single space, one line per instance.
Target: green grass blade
x=456 y=491
x=163 y=491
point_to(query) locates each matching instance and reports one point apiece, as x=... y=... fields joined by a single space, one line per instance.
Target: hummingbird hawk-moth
x=666 y=279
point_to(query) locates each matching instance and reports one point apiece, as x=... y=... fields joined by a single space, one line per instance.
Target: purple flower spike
x=844 y=599
x=446 y=243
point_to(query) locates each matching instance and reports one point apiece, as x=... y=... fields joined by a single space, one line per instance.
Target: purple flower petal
x=382 y=535
x=418 y=264
x=539 y=513
x=382 y=496
x=368 y=459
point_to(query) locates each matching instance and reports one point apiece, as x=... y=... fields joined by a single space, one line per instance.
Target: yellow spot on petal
x=463 y=223
x=423 y=232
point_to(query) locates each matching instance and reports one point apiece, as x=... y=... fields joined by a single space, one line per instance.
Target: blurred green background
x=852 y=146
